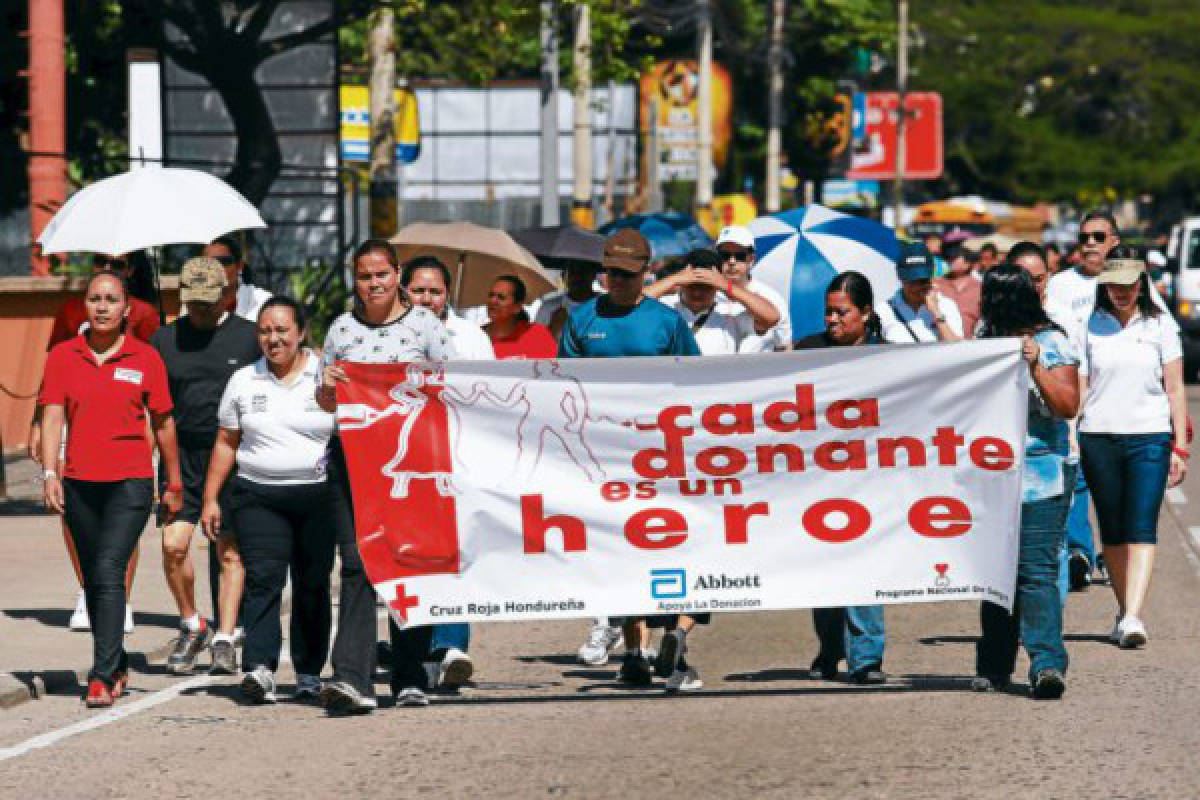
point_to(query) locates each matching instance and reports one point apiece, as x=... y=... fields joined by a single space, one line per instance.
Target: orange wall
x=27 y=308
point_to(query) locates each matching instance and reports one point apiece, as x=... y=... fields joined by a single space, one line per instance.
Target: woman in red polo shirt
x=511 y=332
x=103 y=383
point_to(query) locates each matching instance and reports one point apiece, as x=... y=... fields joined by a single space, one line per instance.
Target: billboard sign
x=355 y=129
x=673 y=86
x=874 y=153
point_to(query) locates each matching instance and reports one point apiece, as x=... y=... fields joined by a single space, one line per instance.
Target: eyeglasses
x=225 y=261
x=736 y=255
x=1096 y=237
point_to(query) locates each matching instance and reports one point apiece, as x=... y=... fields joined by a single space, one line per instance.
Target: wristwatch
x=48 y=474
x=939 y=319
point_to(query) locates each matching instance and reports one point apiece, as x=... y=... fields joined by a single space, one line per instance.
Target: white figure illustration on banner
x=565 y=422
x=410 y=400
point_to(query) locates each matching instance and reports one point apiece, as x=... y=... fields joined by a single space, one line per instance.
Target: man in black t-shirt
x=201 y=351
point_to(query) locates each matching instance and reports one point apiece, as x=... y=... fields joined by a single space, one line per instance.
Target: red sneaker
x=98 y=694
x=120 y=681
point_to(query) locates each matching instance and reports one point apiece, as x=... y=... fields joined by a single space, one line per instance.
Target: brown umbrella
x=475 y=255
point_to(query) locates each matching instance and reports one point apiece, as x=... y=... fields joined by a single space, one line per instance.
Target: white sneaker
x=1133 y=633
x=128 y=618
x=79 y=618
x=1114 y=635
x=601 y=639
x=454 y=670
x=239 y=636
x=684 y=680
x=259 y=686
x=412 y=697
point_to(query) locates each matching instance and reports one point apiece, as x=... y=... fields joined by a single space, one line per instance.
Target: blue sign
x=668 y=584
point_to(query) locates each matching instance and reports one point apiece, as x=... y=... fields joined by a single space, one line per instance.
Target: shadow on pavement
x=23 y=507
x=59 y=617
x=554 y=658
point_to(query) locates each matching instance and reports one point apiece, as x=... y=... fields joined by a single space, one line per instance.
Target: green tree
x=1067 y=100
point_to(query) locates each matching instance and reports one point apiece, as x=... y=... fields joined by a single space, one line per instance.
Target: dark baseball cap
x=626 y=250
x=914 y=263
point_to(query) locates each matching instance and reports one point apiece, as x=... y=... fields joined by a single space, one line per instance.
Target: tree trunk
x=258 y=159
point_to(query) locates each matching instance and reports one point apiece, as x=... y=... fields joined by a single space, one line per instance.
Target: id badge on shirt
x=126 y=375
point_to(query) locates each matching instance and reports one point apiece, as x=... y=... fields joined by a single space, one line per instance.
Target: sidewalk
x=38 y=654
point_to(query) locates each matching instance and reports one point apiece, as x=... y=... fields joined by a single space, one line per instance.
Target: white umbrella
x=148 y=207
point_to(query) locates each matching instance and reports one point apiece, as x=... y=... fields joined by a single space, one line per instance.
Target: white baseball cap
x=736 y=234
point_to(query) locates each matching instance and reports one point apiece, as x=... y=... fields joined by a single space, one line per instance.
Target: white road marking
x=1176 y=497
x=107 y=717
x=1194 y=533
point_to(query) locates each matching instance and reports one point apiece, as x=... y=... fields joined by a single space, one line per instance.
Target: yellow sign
x=356 y=125
x=674 y=87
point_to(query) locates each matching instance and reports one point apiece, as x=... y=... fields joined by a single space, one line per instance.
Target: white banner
x=554 y=489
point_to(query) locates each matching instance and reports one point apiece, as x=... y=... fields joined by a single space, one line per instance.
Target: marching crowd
x=239 y=408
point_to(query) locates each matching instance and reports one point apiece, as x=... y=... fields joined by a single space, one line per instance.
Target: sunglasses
x=736 y=255
x=225 y=261
x=613 y=272
x=1096 y=237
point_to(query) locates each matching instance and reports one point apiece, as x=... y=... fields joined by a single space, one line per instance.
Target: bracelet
x=174 y=487
x=1181 y=452
x=48 y=474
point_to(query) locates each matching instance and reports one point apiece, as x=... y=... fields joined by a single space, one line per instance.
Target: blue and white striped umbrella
x=800 y=251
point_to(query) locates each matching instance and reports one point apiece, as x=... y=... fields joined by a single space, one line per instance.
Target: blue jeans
x=854 y=633
x=1129 y=475
x=1036 y=618
x=1079 y=528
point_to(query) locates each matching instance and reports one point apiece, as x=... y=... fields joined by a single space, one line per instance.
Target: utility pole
x=381 y=48
x=901 y=113
x=704 y=152
x=581 y=201
x=47 y=120
x=549 y=139
x=775 y=103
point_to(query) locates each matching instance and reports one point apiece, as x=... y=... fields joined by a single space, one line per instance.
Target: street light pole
x=775 y=104
x=549 y=137
x=901 y=114
x=704 y=152
x=581 y=201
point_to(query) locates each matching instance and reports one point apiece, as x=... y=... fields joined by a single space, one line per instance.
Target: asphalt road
x=539 y=724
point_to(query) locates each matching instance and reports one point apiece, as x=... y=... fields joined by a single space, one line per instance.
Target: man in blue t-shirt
x=625 y=322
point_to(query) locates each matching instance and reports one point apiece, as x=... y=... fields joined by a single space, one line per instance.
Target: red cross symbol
x=403 y=602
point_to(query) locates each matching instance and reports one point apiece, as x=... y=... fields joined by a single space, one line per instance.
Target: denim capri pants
x=1127 y=473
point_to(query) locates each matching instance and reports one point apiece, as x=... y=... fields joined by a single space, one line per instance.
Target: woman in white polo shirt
x=281 y=501
x=1133 y=428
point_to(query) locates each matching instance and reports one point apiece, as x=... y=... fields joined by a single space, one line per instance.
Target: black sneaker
x=670 y=653
x=635 y=669
x=190 y=644
x=823 y=669
x=872 y=674
x=224 y=658
x=1080 y=570
x=1049 y=684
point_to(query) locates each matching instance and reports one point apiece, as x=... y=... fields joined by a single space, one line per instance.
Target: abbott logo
x=668 y=584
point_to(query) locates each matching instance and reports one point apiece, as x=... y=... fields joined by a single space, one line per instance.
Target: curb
x=21 y=687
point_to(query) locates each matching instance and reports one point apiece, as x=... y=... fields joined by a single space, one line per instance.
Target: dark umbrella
x=558 y=243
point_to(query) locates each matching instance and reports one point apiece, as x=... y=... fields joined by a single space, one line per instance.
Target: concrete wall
x=27 y=309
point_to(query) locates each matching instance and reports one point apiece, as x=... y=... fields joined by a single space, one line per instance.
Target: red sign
x=874 y=155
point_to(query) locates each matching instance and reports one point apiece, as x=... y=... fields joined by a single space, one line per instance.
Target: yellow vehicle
x=942 y=216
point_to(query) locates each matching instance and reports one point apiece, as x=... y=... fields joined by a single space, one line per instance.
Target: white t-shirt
x=285 y=434
x=551 y=303
x=1074 y=290
x=721 y=334
x=1124 y=368
x=469 y=341
x=778 y=337
x=250 y=299
x=920 y=327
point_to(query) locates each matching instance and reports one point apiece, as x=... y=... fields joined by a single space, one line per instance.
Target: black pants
x=354 y=647
x=281 y=528
x=106 y=518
